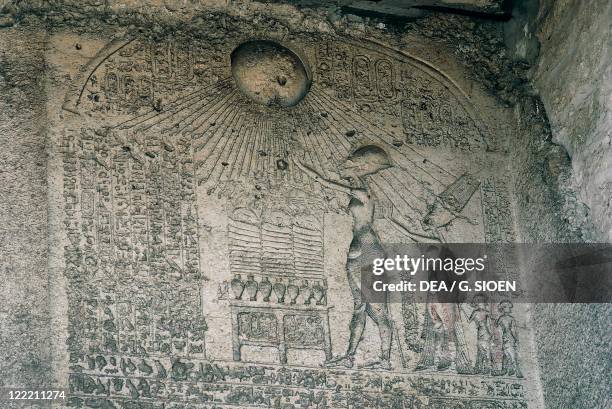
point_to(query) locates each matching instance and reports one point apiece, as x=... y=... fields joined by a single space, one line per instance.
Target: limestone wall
x=573 y=76
x=24 y=293
x=174 y=245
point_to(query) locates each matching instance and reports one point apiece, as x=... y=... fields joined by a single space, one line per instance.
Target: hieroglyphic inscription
x=107 y=379
x=433 y=117
x=430 y=114
x=497 y=212
x=144 y=74
x=131 y=231
x=498 y=224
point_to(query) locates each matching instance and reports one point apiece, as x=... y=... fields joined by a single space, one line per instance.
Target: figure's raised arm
x=319 y=178
x=401 y=226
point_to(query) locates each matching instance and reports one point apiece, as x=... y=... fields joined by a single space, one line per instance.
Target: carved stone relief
x=208 y=247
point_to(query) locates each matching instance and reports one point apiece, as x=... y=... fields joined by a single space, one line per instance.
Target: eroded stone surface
x=24 y=309
x=195 y=258
x=573 y=76
x=232 y=257
x=269 y=73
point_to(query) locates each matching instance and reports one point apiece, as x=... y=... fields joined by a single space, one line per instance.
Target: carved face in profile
x=479 y=301
x=505 y=307
x=366 y=160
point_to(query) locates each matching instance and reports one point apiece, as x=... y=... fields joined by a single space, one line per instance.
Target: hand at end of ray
x=304 y=168
x=297 y=161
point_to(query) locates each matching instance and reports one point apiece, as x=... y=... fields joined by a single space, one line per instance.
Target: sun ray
x=195 y=112
x=209 y=169
x=336 y=103
x=179 y=101
x=209 y=109
x=327 y=141
x=247 y=171
x=387 y=173
x=309 y=149
x=313 y=137
x=217 y=136
x=339 y=135
x=236 y=164
x=232 y=153
x=173 y=111
x=384 y=184
x=212 y=120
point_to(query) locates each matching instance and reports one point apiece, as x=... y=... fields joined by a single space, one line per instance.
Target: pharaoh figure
x=364 y=248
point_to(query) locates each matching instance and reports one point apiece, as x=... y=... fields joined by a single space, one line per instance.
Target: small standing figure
x=510 y=340
x=482 y=317
x=443 y=331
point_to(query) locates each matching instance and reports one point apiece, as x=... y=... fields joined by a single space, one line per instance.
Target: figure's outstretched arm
x=403 y=228
x=319 y=178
